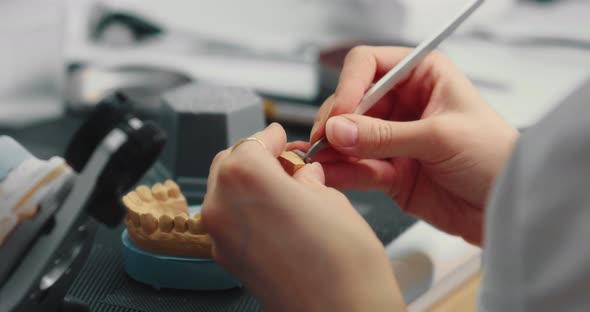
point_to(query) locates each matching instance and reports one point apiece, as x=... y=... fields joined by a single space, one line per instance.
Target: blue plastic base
x=161 y=271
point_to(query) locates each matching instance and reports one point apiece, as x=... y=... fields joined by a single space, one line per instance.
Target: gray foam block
x=202 y=119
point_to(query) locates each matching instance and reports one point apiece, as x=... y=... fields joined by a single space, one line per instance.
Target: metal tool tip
x=302 y=155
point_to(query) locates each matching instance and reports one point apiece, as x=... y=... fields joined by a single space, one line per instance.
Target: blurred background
x=59 y=58
x=64 y=55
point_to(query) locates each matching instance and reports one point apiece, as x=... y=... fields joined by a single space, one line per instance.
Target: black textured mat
x=103 y=284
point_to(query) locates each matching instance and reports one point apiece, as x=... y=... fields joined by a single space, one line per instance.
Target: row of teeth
x=159 y=191
x=166 y=224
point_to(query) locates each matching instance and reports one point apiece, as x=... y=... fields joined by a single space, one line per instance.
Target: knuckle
x=436 y=57
x=438 y=129
x=380 y=135
x=360 y=51
x=363 y=56
x=384 y=133
x=233 y=170
x=219 y=156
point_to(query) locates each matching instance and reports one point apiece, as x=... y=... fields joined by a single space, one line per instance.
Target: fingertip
x=274 y=138
x=275 y=124
x=277 y=128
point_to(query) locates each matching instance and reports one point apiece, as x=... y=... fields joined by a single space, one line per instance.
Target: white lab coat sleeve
x=537 y=236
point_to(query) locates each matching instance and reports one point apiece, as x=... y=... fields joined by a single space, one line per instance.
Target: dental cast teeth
x=158 y=221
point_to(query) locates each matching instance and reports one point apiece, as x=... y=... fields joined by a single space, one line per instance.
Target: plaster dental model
x=158 y=221
x=25 y=181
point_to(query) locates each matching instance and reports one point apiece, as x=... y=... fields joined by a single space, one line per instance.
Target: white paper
x=531 y=23
x=521 y=84
x=424 y=17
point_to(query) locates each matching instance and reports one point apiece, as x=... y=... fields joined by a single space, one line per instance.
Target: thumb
x=368 y=137
x=311 y=174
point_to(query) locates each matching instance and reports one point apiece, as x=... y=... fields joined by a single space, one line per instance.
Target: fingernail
x=342 y=132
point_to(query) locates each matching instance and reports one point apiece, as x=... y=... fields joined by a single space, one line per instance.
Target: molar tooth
x=136 y=199
x=133 y=216
x=180 y=224
x=173 y=189
x=166 y=223
x=195 y=226
x=144 y=193
x=149 y=223
x=177 y=207
x=131 y=200
x=159 y=192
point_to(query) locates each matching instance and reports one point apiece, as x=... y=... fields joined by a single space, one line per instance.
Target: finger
x=331 y=155
x=298 y=145
x=273 y=138
x=317 y=131
x=366 y=174
x=366 y=137
x=252 y=170
x=311 y=175
x=362 y=66
x=214 y=169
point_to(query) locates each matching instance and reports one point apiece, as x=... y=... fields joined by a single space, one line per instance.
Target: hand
x=293 y=242
x=432 y=143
